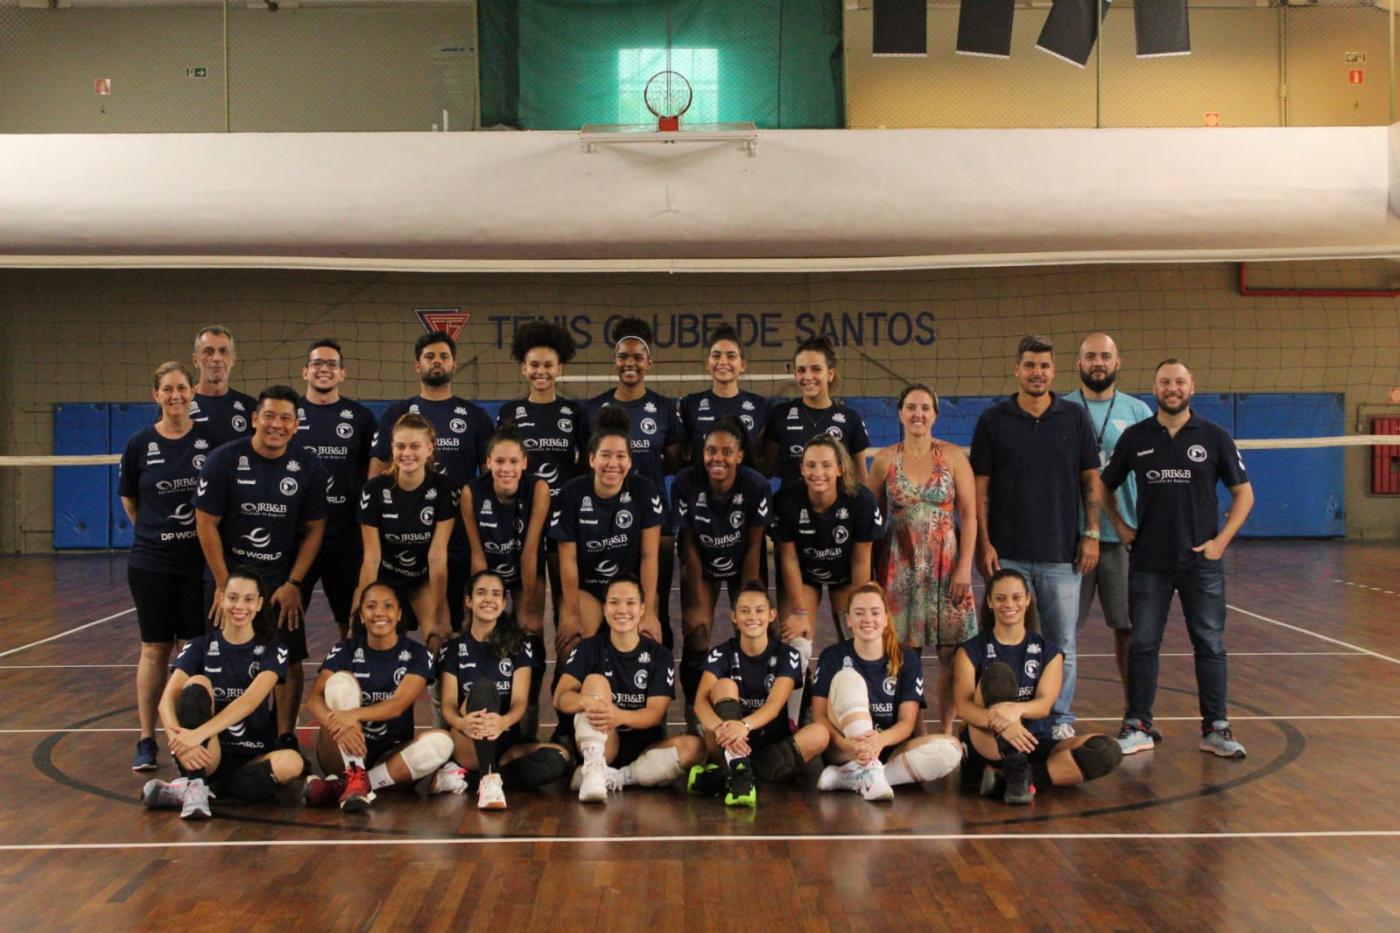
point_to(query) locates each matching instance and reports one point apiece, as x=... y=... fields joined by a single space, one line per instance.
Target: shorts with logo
x=633 y=742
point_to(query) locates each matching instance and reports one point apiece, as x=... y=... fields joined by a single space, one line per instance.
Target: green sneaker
x=706 y=780
x=742 y=791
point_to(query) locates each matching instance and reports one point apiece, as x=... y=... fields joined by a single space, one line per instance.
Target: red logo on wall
x=448 y=320
x=1356 y=76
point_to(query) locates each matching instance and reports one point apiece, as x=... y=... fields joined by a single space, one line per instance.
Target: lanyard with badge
x=1103 y=428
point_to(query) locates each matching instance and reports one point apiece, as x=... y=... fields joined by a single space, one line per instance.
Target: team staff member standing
x=463 y=429
x=1177 y=458
x=262 y=503
x=225 y=413
x=1110 y=412
x=1034 y=459
x=165 y=571
x=338 y=431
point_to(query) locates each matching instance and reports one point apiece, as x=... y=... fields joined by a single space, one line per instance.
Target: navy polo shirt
x=1177 y=507
x=1035 y=466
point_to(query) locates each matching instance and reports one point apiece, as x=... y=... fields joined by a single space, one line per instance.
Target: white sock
x=352 y=761
x=729 y=757
x=379 y=777
x=628 y=778
x=804 y=650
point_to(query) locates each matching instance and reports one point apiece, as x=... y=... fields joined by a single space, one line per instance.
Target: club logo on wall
x=448 y=320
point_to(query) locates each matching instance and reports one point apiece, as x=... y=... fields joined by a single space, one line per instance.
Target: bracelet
x=1092 y=534
x=294 y=582
x=747 y=727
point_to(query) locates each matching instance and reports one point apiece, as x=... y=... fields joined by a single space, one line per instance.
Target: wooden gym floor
x=1304 y=832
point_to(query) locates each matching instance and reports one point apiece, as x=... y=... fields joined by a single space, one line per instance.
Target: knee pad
x=540 y=767
x=427 y=753
x=342 y=691
x=657 y=766
x=253 y=783
x=780 y=762
x=932 y=760
x=999 y=684
x=849 y=703
x=729 y=708
x=482 y=696
x=1097 y=757
x=194 y=707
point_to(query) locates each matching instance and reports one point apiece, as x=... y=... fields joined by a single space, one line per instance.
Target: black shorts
x=229 y=765
x=293 y=639
x=376 y=752
x=339 y=574
x=633 y=742
x=1039 y=772
x=169 y=606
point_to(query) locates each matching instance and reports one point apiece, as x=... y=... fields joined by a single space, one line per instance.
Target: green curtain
x=559 y=64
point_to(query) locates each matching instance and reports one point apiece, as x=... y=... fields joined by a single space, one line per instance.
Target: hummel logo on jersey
x=405 y=655
x=656 y=503
x=243 y=463
x=486 y=507
x=201 y=444
x=1144 y=453
x=238 y=406
x=213 y=651
x=649 y=408
x=359 y=654
x=203 y=487
x=459 y=410
x=293 y=466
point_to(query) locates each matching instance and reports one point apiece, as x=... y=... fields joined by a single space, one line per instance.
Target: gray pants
x=1109 y=579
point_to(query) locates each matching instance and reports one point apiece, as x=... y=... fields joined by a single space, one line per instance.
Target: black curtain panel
x=1163 y=28
x=984 y=27
x=1071 y=30
x=901 y=27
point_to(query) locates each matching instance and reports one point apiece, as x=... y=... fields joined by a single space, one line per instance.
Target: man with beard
x=463 y=432
x=1177 y=458
x=1110 y=412
x=1034 y=461
x=226 y=413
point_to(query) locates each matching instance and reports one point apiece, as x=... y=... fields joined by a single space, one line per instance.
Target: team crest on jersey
x=1196 y=453
x=405 y=655
x=239 y=423
x=625 y=498
x=201 y=444
x=649 y=408
x=566 y=425
x=648 y=426
x=700 y=501
x=736 y=520
x=793 y=415
x=288 y=486
x=991 y=651
x=839 y=418
x=1032 y=649
x=258 y=650
x=198 y=461
x=486 y=507
x=840 y=535
x=889 y=686
x=460 y=410
x=1032 y=668
x=835 y=432
x=739 y=499
x=426 y=516
x=153 y=449
x=506 y=667
x=359 y=655
x=640 y=679
x=213 y=651
x=704 y=404
x=414 y=408
x=644 y=657
x=238 y=406
x=243 y=463
x=253 y=668
x=458 y=426
x=846 y=664
x=803 y=518
x=520 y=412
x=586 y=505
x=399 y=673
x=747 y=406
x=624 y=519
x=293 y=466
x=345 y=430
x=346 y=413
x=843 y=513
x=301 y=414
x=388 y=496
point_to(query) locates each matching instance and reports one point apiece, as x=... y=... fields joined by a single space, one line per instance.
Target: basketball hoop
x=667 y=95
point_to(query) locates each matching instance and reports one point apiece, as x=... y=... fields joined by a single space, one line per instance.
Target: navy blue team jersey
x=755 y=676
x=886 y=692
x=555 y=435
x=261 y=504
x=226 y=417
x=719 y=525
x=161 y=475
x=700 y=411
x=501 y=526
x=231 y=670
x=406 y=521
x=1027 y=660
x=607 y=532
x=654 y=426
x=826 y=541
x=469 y=660
x=792 y=424
x=379 y=673
x=635 y=676
x=340 y=435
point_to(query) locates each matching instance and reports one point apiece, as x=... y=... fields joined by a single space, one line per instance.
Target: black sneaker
x=970 y=777
x=1016 y=769
x=145 y=758
x=741 y=792
x=707 y=780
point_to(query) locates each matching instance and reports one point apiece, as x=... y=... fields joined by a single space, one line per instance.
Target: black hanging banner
x=901 y=27
x=984 y=27
x=1070 y=30
x=1163 y=28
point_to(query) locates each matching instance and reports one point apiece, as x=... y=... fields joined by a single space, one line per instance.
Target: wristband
x=1092 y=533
x=294 y=582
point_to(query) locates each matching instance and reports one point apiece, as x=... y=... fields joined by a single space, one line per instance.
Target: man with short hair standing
x=1034 y=460
x=1110 y=413
x=226 y=413
x=1177 y=458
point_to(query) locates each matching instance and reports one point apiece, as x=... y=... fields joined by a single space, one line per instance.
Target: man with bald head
x=1110 y=413
x=1179 y=547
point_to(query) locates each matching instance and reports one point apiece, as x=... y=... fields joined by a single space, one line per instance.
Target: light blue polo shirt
x=1111 y=418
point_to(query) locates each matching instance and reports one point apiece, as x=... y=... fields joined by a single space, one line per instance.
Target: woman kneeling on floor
x=617 y=687
x=1005 y=681
x=363 y=699
x=217 y=709
x=868 y=694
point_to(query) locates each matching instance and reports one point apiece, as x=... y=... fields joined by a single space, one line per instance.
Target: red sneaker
x=322 y=792
x=356 y=796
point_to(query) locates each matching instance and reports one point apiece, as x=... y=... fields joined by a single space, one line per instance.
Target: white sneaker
x=839 y=777
x=593 y=782
x=158 y=795
x=1061 y=731
x=451 y=778
x=196 y=802
x=490 y=795
x=618 y=779
x=873 y=783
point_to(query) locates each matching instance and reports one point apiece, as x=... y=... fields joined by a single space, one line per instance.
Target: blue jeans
x=1201 y=586
x=1057 y=601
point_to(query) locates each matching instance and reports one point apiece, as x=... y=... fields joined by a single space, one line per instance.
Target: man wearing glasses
x=340 y=432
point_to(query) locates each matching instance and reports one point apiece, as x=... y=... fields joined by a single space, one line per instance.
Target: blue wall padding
x=125 y=419
x=81 y=495
x=1297 y=493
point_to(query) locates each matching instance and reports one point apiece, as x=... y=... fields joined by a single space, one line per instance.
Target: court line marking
x=1366 y=586
x=86 y=625
x=1326 y=638
x=1165 y=654
x=748 y=839
x=1155 y=719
